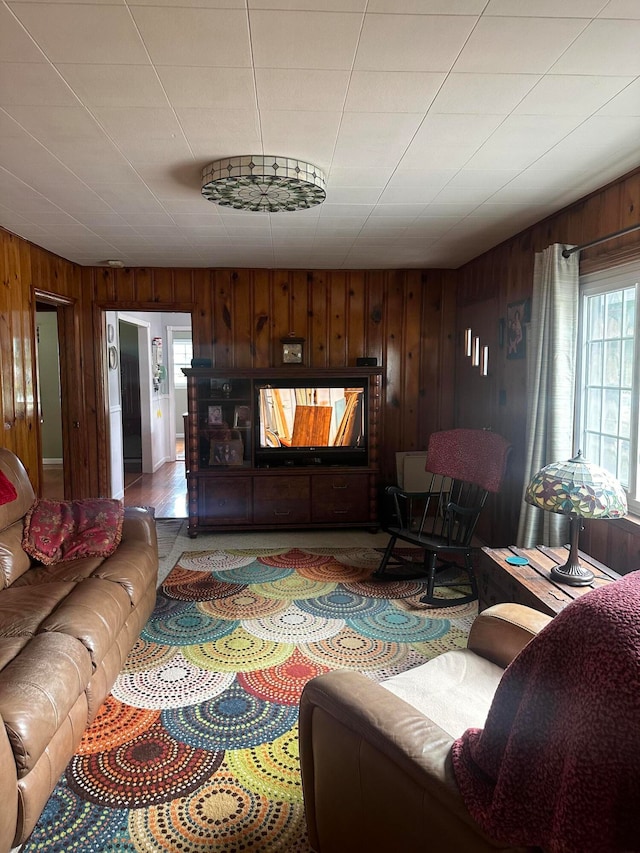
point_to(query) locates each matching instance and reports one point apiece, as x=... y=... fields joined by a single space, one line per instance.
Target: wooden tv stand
x=227 y=490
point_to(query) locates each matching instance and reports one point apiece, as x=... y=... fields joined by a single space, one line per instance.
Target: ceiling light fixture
x=263 y=183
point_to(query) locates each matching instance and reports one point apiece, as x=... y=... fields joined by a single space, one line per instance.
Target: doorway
x=49 y=401
x=131 y=402
x=146 y=405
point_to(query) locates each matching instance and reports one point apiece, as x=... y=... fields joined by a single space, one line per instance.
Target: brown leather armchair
x=375 y=758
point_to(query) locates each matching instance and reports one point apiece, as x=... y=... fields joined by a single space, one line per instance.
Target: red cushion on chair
x=69 y=530
x=472 y=455
x=7 y=490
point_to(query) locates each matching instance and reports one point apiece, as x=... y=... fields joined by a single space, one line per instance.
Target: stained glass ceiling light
x=263 y=183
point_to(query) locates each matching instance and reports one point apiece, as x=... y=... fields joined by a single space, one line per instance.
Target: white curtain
x=551 y=378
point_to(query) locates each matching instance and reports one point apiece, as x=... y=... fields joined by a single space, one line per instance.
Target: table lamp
x=578 y=489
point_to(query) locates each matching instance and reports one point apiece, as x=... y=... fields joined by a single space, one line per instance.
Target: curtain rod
x=566 y=253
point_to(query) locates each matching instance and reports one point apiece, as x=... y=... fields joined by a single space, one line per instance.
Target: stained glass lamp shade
x=578 y=489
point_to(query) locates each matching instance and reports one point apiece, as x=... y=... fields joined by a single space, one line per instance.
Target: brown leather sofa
x=65 y=631
x=375 y=758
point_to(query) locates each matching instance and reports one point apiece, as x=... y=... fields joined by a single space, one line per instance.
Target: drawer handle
x=333 y=486
x=340 y=511
x=221 y=502
x=282 y=512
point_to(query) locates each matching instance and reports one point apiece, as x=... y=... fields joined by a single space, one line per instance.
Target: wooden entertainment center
x=236 y=480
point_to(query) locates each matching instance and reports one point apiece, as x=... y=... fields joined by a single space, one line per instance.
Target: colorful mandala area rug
x=196 y=748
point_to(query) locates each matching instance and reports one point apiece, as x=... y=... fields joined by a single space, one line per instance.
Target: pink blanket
x=558 y=762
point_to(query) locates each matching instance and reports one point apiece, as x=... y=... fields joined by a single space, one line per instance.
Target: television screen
x=318 y=417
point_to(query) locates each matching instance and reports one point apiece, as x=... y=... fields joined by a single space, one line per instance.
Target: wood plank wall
x=404 y=319
x=503 y=275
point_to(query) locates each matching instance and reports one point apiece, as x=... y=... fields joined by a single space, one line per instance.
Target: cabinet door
x=224 y=500
x=281 y=500
x=342 y=498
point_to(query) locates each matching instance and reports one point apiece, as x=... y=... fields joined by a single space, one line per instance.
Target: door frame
x=71 y=390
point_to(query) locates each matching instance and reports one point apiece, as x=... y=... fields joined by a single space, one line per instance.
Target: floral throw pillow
x=69 y=530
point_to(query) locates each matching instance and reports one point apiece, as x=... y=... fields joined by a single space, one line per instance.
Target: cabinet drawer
x=225 y=500
x=281 y=500
x=340 y=498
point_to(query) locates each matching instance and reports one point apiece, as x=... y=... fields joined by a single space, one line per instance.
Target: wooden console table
x=499 y=581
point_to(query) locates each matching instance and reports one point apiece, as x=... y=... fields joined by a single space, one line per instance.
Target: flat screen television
x=312 y=422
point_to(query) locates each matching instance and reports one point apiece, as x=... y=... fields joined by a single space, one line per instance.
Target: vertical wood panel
x=222 y=319
x=337 y=319
x=318 y=326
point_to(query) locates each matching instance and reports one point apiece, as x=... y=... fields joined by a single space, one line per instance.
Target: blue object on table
x=517 y=561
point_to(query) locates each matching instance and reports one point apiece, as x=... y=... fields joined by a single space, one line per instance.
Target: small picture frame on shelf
x=214 y=415
x=226 y=452
x=242 y=416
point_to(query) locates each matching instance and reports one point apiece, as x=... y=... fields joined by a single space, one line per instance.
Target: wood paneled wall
x=485 y=287
x=402 y=318
x=29 y=274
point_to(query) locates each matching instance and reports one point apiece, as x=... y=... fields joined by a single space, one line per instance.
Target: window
x=609 y=387
x=182 y=351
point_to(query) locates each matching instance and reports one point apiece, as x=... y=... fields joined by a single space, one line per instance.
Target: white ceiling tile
x=143 y=134
x=429 y=179
x=114 y=85
x=627 y=103
x=420 y=195
x=310 y=5
x=220 y=133
x=444 y=129
x=374 y=139
x=427 y=7
x=212 y=88
x=483 y=93
x=407 y=211
x=392 y=91
x=545 y=8
x=208 y=37
x=209 y=4
x=485 y=179
x=353 y=195
x=15 y=44
x=33 y=84
x=621 y=9
x=411 y=42
x=605 y=47
x=308 y=89
x=462 y=195
x=517 y=45
x=51 y=123
x=447 y=211
x=83 y=33
x=304 y=39
x=311 y=136
x=340 y=176
x=571 y=94
x=436 y=156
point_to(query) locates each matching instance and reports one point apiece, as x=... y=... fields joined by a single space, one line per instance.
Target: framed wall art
x=517 y=318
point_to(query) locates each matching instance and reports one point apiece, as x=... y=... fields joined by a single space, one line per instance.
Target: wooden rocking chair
x=465 y=465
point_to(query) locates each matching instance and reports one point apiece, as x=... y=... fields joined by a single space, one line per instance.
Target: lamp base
x=572 y=574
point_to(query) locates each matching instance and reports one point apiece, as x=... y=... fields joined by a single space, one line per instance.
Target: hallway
x=166 y=490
